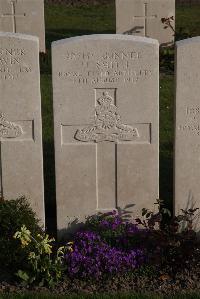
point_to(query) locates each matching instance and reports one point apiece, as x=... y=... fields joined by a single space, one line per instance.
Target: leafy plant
x=43 y=269
x=169 y=243
x=168 y=23
x=116 y=230
x=13 y=214
x=151 y=218
x=165 y=241
x=187 y=218
x=167 y=53
x=180 y=34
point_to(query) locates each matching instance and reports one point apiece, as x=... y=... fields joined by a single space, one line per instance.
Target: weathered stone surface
x=21 y=163
x=187 y=134
x=143 y=18
x=23 y=16
x=106 y=124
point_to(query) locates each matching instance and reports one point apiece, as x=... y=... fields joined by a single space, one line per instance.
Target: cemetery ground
x=119 y=296
x=63 y=22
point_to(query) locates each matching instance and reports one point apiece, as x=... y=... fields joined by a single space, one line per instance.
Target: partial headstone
x=106 y=125
x=23 y=16
x=187 y=134
x=21 y=163
x=144 y=18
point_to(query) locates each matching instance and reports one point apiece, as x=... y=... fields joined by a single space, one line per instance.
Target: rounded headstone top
x=188 y=41
x=113 y=37
x=19 y=35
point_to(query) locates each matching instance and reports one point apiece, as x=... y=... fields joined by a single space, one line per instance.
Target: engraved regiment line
x=105 y=133
x=146 y=17
x=13 y=15
x=10 y=131
x=192 y=123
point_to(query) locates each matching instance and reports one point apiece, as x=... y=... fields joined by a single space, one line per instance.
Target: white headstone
x=23 y=16
x=106 y=124
x=21 y=163
x=143 y=18
x=187 y=134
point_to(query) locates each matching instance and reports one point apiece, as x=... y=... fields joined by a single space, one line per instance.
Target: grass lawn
x=63 y=22
x=188 y=18
x=122 y=296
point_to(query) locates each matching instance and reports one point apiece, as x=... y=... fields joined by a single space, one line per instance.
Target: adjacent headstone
x=144 y=18
x=106 y=125
x=187 y=134
x=21 y=163
x=23 y=16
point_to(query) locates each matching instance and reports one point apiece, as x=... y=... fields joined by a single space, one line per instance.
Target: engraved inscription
x=107 y=55
x=193 y=128
x=9 y=129
x=107 y=124
x=193 y=112
x=192 y=124
x=88 y=68
x=13 y=63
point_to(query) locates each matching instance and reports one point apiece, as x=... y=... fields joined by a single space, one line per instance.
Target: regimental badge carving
x=9 y=129
x=107 y=124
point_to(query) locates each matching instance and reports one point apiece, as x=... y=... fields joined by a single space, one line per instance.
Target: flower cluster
x=116 y=230
x=90 y=256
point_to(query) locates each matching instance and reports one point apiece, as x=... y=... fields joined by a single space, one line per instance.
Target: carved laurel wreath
x=9 y=129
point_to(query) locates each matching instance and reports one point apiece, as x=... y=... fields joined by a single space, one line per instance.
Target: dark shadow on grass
x=45 y=63
x=166 y=174
x=49 y=183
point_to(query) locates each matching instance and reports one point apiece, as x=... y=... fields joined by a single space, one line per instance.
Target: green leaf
x=166 y=211
x=23 y=275
x=41 y=284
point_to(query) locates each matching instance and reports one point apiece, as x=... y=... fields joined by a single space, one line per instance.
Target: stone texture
x=187 y=134
x=106 y=125
x=143 y=18
x=21 y=163
x=23 y=16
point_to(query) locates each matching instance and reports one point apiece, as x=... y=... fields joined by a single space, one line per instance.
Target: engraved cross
x=146 y=17
x=13 y=15
x=106 y=133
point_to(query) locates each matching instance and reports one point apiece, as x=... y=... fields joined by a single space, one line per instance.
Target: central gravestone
x=21 y=162
x=106 y=125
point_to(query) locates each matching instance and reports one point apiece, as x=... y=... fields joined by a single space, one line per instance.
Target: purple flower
x=92 y=257
x=104 y=223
